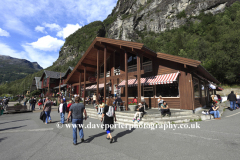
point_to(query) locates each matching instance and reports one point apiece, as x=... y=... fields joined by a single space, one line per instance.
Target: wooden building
x=114 y=64
x=52 y=81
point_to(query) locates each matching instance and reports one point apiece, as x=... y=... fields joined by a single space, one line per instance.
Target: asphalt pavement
x=24 y=136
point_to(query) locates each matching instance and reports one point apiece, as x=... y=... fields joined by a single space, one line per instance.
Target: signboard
x=92 y=79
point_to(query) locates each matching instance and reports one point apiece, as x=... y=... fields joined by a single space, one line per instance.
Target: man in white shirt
x=94 y=98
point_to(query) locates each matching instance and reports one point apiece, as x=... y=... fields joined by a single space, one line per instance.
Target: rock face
x=130 y=18
x=134 y=16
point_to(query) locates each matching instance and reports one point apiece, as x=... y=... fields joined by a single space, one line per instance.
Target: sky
x=36 y=30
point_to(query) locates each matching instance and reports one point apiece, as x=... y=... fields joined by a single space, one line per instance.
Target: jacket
x=232 y=97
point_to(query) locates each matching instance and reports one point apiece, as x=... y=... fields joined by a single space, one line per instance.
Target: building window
x=196 y=87
x=203 y=89
x=148 y=91
x=167 y=90
x=132 y=92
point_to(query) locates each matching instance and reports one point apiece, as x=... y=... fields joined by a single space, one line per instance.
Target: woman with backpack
x=108 y=114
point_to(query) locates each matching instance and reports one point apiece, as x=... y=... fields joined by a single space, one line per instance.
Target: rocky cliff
x=134 y=16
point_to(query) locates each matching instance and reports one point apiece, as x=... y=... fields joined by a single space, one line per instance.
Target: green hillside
x=12 y=69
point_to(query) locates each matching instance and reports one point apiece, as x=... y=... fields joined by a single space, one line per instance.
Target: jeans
x=47 y=116
x=25 y=103
x=215 y=113
x=237 y=105
x=233 y=104
x=164 y=111
x=62 y=115
x=33 y=106
x=100 y=110
x=77 y=122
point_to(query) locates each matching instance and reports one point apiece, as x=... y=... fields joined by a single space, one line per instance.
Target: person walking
x=40 y=103
x=232 y=99
x=62 y=110
x=76 y=110
x=109 y=115
x=47 y=109
x=34 y=101
x=68 y=107
x=25 y=100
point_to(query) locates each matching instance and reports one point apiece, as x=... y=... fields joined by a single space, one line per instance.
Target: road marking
x=28 y=130
x=194 y=136
x=233 y=114
x=220 y=132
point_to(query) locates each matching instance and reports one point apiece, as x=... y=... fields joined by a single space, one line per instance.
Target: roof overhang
x=89 y=59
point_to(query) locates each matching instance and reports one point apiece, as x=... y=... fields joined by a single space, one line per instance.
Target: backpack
x=110 y=112
x=41 y=101
x=64 y=107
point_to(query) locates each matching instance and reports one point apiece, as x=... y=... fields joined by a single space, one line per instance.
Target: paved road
x=24 y=136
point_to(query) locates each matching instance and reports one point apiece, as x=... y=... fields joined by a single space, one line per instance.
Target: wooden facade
x=113 y=61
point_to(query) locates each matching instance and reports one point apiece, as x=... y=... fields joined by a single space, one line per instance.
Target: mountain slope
x=12 y=68
x=208 y=31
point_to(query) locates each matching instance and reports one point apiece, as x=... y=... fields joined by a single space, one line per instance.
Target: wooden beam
x=139 y=79
x=105 y=72
x=84 y=89
x=126 y=80
x=82 y=71
x=80 y=80
x=89 y=65
x=97 y=75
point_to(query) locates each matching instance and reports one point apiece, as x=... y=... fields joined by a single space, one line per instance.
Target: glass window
x=203 y=89
x=148 y=91
x=132 y=92
x=167 y=90
x=196 y=87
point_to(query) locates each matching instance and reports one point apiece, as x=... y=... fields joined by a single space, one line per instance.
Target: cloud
x=4 y=33
x=68 y=30
x=17 y=26
x=40 y=29
x=6 y=50
x=47 y=43
x=44 y=59
x=52 y=26
x=29 y=53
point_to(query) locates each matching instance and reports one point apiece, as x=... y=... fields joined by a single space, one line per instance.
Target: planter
x=132 y=107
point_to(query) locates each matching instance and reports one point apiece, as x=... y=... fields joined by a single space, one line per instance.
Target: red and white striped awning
x=154 y=80
x=94 y=87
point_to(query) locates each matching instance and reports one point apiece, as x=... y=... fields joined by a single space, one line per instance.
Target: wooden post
x=60 y=83
x=154 y=90
x=105 y=72
x=48 y=85
x=97 y=75
x=139 y=78
x=80 y=80
x=71 y=91
x=113 y=74
x=126 y=80
x=200 y=91
x=84 y=88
